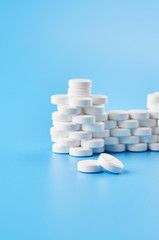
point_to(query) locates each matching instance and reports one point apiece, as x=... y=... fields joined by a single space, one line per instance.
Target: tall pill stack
x=81 y=126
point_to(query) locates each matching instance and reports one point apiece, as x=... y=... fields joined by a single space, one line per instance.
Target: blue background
x=42 y=45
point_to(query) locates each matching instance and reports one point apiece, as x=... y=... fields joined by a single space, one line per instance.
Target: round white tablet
x=79 y=92
x=58 y=116
x=110 y=163
x=142 y=131
x=154 y=114
x=117 y=115
x=115 y=148
x=89 y=166
x=80 y=83
x=98 y=126
x=101 y=117
x=153 y=146
x=139 y=147
x=110 y=124
x=98 y=149
x=99 y=99
x=95 y=109
x=138 y=114
x=81 y=135
x=66 y=109
x=92 y=143
x=67 y=126
x=60 y=99
x=119 y=132
x=80 y=101
x=60 y=149
x=148 y=139
x=101 y=134
x=147 y=123
x=111 y=140
x=129 y=140
x=80 y=152
x=65 y=141
x=58 y=133
x=155 y=130
x=81 y=119
x=128 y=123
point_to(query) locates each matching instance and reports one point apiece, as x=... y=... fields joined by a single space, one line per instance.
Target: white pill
x=115 y=148
x=147 y=123
x=129 y=140
x=66 y=141
x=101 y=117
x=138 y=114
x=60 y=99
x=99 y=149
x=80 y=83
x=155 y=130
x=139 y=147
x=111 y=140
x=154 y=97
x=81 y=135
x=92 y=143
x=101 y=134
x=154 y=115
x=119 y=132
x=98 y=126
x=153 y=146
x=118 y=115
x=148 y=139
x=89 y=166
x=60 y=149
x=67 y=126
x=58 y=116
x=58 y=133
x=99 y=99
x=82 y=119
x=95 y=109
x=79 y=92
x=66 y=109
x=142 y=131
x=110 y=163
x=80 y=101
x=80 y=152
x=110 y=124
x=128 y=123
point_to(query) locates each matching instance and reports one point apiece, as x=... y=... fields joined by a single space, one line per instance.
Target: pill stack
x=81 y=126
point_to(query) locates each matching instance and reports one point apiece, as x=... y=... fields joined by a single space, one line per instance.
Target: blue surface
x=43 y=44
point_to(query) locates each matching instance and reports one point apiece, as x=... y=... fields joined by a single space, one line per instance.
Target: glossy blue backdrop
x=42 y=45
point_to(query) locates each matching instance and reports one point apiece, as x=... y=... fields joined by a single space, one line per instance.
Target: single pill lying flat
x=81 y=119
x=89 y=166
x=101 y=134
x=153 y=146
x=66 y=109
x=128 y=123
x=139 y=147
x=118 y=115
x=110 y=163
x=60 y=149
x=60 y=99
x=92 y=143
x=66 y=141
x=79 y=92
x=111 y=140
x=99 y=99
x=110 y=124
x=119 y=132
x=80 y=101
x=142 y=131
x=95 y=109
x=81 y=135
x=115 y=148
x=80 y=152
x=80 y=83
x=147 y=123
x=98 y=126
x=129 y=140
x=58 y=116
x=138 y=114
x=101 y=117
x=148 y=139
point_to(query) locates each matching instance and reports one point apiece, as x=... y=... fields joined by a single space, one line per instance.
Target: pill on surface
x=99 y=99
x=110 y=163
x=92 y=143
x=89 y=166
x=118 y=115
x=138 y=114
x=153 y=146
x=60 y=149
x=80 y=83
x=139 y=147
x=115 y=148
x=130 y=123
x=81 y=119
x=60 y=99
x=80 y=152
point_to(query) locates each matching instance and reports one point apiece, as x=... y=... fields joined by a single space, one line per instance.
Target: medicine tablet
x=99 y=99
x=153 y=114
x=142 y=131
x=95 y=109
x=80 y=101
x=147 y=123
x=82 y=119
x=66 y=109
x=110 y=163
x=155 y=130
x=101 y=134
x=65 y=141
x=101 y=117
x=111 y=140
x=80 y=83
x=58 y=133
x=138 y=114
x=110 y=124
x=58 y=116
x=148 y=139
x=89 y=166
x=80 y=152
x=60 y=149
x=81 y=135
x=98 y=126
x=115 y=148
x=119 y=132
x=92 y=143
x=154 y=97
x=153 y=146
x=129 y=140
x=139 y=147
x=67 y=126
x=79 y=92
x=128 y=124
x=118 y=115
x=99 y=149
x=60 y=99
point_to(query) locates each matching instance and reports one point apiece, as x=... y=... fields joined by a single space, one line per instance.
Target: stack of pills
x=81 y=126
